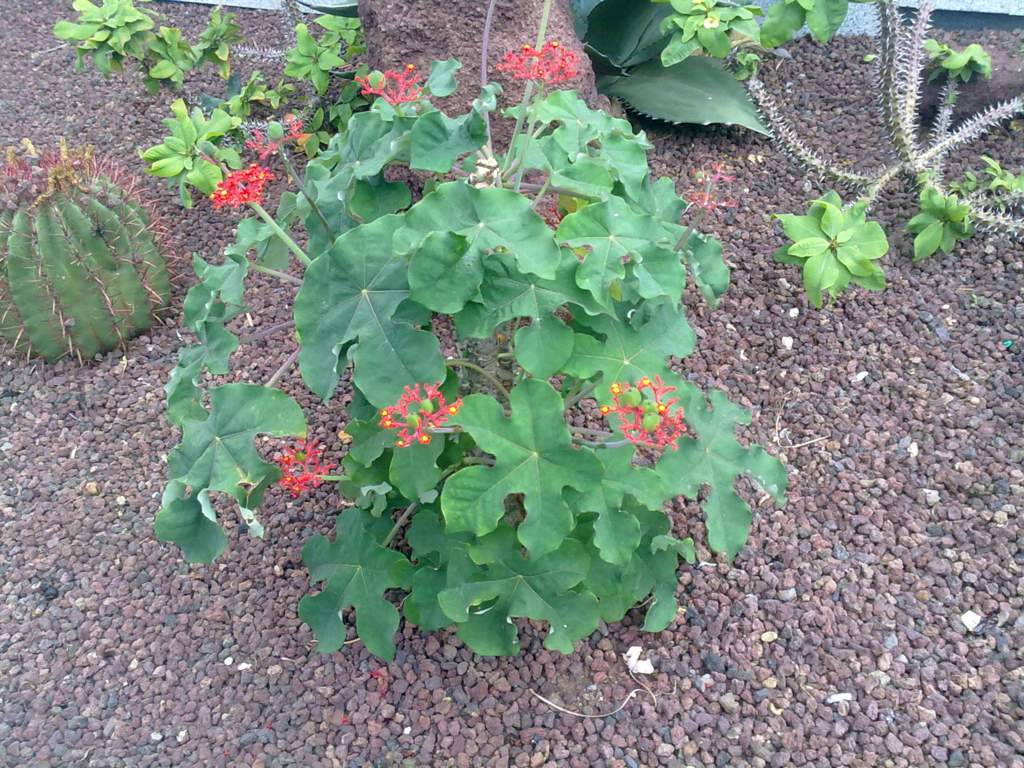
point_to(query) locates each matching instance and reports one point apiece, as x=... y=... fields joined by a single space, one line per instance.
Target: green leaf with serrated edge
x=710 y=272
x=543 y=347
x=414 y=469
x=628 y=353
x=617 y=531
x=507 y=293
x=189 y=521
x=218 y=453
x=533 y=456
x=444 y=272
x=511 y=586
x=613 y=233
x=184 y=398
x=697 y=90
x=489 y=219
x=219 y=292
x=715 y=459
x=682 y=547
x=352 y=293
x=356 y=571
x=441 y=81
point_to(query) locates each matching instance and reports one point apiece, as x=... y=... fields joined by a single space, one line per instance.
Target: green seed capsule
x=650 y=422
x=630 y=398
x=426 y=406
x=412 y=421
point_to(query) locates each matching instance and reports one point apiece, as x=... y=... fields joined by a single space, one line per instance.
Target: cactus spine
x=80 y=272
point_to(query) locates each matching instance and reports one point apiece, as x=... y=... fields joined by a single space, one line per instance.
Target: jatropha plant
x=833 y=244
x=80 y=268
x=507 y=352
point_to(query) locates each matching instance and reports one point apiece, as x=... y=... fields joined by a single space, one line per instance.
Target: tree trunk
x=400 y=32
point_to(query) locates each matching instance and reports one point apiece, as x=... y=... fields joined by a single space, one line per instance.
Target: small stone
x=788 y=595
x=770 y=682
x=787 y=342
x=930 y=496
x=970 y=620
x=274 y=669
x=228 y=661
x=794 y=312
x=858 y=377
x=92 y=488
x=665 y=750
x=244 y=666
x=913 y=450
x=729 y=703
x=956 y=759
x=770 y=636
x=835 y=698
x=120 y=501
x=182 y=736
x=156 y=736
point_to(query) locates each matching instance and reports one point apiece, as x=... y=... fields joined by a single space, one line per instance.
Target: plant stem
x=399 y=523
x=459 y=363
x=586 y=390
x=294 y=178
x=529 y=186
x=592 y=432
x=484 y=53
x=266 y=332
x=288 y=363
x=281 y=234
x=275 y=272
x=612 y=444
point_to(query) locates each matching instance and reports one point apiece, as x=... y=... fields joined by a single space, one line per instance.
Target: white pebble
x=244 y=666
x=858 y=377
x=787 y=342
x=182 y=736
x=794 y=312
x=156 y=736
x=835 y=698
x=971 y=620
x=228 y=661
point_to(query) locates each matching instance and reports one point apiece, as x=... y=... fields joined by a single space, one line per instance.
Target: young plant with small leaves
x=834 y=246
x=192 y=155
x=315 y=59
x=708 y=27
x=957 y=65
x=516 y=464
x=943 y=220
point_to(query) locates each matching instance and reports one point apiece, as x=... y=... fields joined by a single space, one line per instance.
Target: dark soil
x=834 y=639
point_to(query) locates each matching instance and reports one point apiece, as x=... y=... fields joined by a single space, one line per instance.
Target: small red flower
x=241 y=187
x=393 y=87
x=550 y=65
x=301 y=468
x=645 y=416
x=416 y=413
x=261 y=144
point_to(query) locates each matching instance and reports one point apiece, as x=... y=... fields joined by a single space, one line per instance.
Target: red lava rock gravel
x=834 y=639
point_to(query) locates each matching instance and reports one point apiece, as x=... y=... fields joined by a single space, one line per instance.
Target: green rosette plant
x=516 y=424
x=834 y=246
x=957 y=65
x=943 y=221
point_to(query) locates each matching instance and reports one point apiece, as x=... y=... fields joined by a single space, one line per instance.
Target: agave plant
x=902 y=70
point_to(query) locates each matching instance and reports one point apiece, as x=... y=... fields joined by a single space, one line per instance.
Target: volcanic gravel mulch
x=834 y=638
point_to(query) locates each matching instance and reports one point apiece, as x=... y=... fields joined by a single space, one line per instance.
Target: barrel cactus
x=80 y=272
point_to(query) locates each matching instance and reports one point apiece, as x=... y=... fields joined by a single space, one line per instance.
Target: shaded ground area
x=834 y=639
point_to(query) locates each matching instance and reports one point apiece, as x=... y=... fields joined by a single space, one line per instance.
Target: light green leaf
x=441 y=81
x=715 y=459
x=509 y=586
x=533 y=456
x=543 y=347
x=357 y=571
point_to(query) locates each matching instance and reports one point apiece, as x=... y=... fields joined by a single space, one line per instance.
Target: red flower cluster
x=264 y=146
x=301 y=468
x=415 y=414
x=645 y=416
x=550 y=65
x=393 y=87
x=705 y=198
x=241 y=187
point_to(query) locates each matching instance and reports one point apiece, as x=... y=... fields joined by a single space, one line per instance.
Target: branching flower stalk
x=901 y=65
